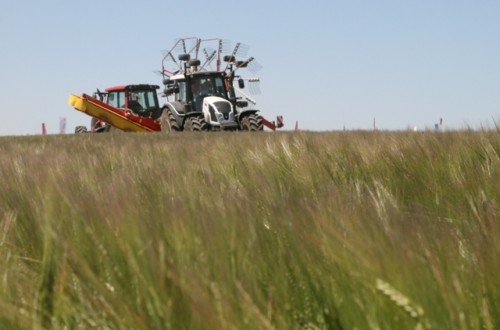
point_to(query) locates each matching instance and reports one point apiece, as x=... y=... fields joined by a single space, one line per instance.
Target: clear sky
x=329 y=64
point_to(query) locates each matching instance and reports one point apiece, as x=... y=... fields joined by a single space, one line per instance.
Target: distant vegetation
x=347 y=230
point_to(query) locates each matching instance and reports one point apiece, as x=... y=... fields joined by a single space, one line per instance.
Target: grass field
x=341 y=230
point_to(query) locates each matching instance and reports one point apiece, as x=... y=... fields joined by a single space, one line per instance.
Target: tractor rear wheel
x=195 y=124
x=251 y=122
x=80 y=129
x=168 y=122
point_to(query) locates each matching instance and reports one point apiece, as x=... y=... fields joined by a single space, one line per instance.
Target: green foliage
x=356 y=230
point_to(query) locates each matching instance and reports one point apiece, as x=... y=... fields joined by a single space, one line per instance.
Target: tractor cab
x=191 y=90
x=142 y=100
x=202 y=95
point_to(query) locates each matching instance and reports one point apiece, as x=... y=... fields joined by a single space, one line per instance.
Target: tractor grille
x=223 y=107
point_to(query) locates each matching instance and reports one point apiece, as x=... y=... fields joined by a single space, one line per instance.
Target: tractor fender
x=192 y=114
x=243 y=113
x=174 y=109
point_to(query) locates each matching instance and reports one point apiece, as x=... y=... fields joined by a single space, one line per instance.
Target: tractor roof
x=182 y=76
x=132 y=87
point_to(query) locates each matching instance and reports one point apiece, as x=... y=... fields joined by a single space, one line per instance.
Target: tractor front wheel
x=195 y=124
x=168 y=122
x=251 y=122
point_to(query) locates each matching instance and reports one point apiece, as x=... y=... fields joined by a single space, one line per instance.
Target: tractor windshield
x=145 y=99
x=203 y=86
x=209 y=86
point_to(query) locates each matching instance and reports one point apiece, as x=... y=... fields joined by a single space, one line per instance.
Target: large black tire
x=168 y=122
x=251 y=122
x=80 y=129
x=195 y=124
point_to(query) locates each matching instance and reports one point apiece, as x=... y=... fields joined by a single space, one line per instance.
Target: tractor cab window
x=116 y=99
x=150 y=100
x=199 y=91
x=181 y=96
x=211 y=86
x=142 y=102
x=204 y=86
x=135 y=102
x=220 y=87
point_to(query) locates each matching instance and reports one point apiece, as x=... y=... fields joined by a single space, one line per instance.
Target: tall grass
x=351 y=230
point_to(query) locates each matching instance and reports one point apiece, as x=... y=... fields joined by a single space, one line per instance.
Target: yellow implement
x=111 y=115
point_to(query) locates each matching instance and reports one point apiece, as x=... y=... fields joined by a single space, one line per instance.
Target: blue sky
x=328 y=64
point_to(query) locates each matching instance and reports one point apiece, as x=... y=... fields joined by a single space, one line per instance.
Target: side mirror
x=241 y=83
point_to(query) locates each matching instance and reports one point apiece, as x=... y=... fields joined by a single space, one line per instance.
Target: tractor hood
x=219 y=112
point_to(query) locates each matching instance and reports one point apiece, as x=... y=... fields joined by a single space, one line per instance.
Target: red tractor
x=119 y=104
